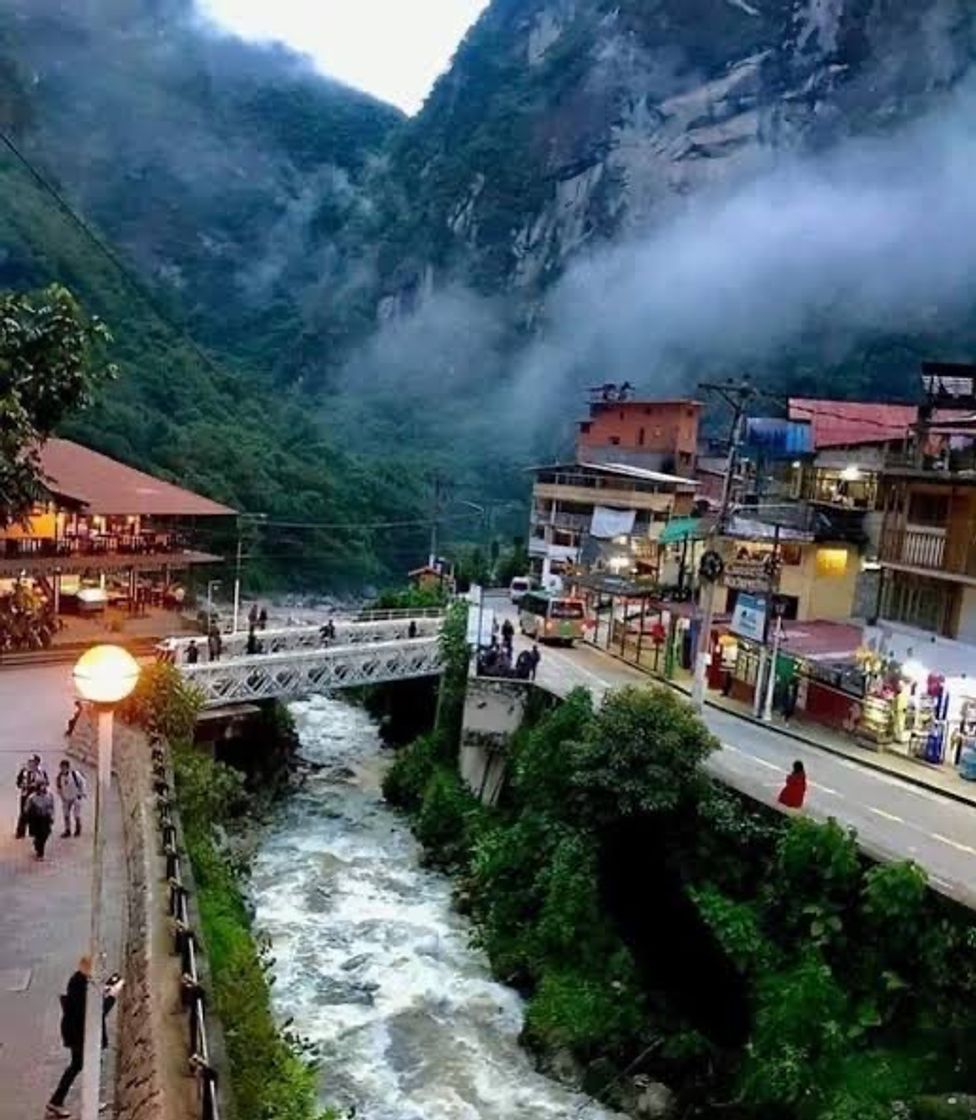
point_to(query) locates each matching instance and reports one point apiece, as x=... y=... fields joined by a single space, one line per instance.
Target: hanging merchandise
x=966 y=750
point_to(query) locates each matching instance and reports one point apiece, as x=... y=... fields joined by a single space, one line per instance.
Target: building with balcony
x=658 y=435
x=928 y=550
x=602 y=515
x=105 y=532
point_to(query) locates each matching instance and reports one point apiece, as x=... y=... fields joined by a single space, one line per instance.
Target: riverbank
x=662 y=927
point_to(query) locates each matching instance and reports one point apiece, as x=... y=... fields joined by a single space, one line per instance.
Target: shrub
x=405 y=781
x=583 y=1014
x=163 y=702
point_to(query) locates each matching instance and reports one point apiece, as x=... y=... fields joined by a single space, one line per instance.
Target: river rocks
x=654 y=1101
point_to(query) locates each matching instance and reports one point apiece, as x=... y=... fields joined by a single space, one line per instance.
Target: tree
x=48 y=369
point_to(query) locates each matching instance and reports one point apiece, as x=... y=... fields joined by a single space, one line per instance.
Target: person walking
x=536 y=658
x=789 y=698
x=29 y=777
x=794 y=792
x=262 y=619
x=252 y=616
x=72 y=789
x=192 y=652
x=73 y=1006
x=40 y=817
x=508 y=634
x=73 y=719
x=412 y=629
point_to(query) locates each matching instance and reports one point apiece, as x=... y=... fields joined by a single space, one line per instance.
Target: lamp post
x=104 y=676
x=241 y=520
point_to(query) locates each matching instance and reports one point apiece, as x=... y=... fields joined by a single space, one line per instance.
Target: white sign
x=608 y=523
x=478 y=612
x=749 y=617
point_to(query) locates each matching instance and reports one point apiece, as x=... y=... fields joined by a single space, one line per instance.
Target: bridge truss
x=294 y=674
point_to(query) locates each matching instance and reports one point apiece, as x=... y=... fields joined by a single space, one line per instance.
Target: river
x=372 y=962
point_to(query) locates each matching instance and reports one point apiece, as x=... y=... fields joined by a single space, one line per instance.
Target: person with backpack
x=40 y=817
x=29 y=777
x=73 y=1006
x=72 y=789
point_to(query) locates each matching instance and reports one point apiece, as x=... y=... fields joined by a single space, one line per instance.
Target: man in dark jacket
x=28 y=779
x=73 y=1004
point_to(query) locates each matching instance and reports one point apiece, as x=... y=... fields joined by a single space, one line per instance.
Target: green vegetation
x=49 y=368
x=270 y=1077
x=857 y=983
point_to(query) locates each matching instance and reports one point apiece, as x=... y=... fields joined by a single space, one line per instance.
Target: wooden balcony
x=928 y=550
x=104 y=552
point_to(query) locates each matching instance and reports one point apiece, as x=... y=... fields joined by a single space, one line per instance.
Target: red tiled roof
x=109 y=487
x=844 y=423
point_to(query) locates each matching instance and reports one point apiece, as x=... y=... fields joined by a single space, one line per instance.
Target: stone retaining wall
x=139 y=1093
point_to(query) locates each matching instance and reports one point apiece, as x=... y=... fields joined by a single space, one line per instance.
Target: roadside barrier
x=192 y=995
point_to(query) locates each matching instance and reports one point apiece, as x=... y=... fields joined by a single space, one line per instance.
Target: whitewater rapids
x=373 y=964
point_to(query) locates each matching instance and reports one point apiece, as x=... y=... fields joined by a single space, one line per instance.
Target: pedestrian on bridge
x=263 y=619
x=73 y=1006
x=192 y=652
x=412 y=629
x=40 y=817
x=72 y=789
x=508 y=634
x=794 y=792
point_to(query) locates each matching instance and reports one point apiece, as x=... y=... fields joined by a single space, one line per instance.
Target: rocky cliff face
x=567 y=122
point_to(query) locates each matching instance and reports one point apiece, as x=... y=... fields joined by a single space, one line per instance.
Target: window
x=640 y=437
x=831 y=562
x=585 y=426
x=928 y=509
x=615 y=440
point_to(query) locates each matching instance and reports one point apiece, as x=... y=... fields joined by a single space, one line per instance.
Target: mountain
x=660 y=191
x=672 y=128
x=216 y=173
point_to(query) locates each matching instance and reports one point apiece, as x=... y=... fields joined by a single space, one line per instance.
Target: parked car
x=520 y=586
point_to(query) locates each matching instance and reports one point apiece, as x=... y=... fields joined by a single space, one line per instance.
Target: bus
x=551 y=618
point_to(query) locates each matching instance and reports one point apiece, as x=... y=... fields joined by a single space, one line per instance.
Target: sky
x=393 y=49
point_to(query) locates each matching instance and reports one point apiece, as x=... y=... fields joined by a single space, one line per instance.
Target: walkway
x=44 y=917
x=894 y=818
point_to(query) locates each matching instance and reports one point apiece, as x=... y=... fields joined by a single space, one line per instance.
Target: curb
x=868 y=763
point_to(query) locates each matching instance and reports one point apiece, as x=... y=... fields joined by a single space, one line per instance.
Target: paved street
x=894 y=819
x=44 y=916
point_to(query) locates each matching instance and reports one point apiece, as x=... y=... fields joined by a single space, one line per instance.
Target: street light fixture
x=103 y=675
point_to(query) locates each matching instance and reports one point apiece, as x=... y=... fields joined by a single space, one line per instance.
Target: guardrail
x=191 y=989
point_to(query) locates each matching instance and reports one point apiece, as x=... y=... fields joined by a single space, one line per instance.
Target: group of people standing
x=37 y=811
x=498 y=659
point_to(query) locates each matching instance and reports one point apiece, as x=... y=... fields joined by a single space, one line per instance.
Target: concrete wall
x=493 y=712
x=151 y=1072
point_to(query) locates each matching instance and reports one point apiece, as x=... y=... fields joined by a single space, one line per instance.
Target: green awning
x=682 y=528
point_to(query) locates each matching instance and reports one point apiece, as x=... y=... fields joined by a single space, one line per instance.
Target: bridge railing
x=297 y=673
x=191 y=987
x=281 y=639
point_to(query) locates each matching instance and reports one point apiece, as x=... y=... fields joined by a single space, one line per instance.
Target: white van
x=520 y=586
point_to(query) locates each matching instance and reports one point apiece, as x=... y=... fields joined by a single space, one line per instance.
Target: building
x=928 y=500
x=602 y=514
x=656 y=435
x=104 y=529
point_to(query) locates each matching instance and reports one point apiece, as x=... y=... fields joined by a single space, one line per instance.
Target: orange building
x=655 y=435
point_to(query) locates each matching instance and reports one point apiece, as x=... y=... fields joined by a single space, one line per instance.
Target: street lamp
x=103 y=675
x=240 y=555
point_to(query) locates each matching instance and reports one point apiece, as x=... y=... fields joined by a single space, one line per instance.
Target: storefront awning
x=681 y=529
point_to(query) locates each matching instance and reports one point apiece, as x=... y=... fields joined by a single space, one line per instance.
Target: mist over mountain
x=656 y=190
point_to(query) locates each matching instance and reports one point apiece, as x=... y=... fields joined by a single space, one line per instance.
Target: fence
x=191 y=989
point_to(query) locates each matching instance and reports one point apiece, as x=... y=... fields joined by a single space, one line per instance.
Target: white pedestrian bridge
x=300 y=661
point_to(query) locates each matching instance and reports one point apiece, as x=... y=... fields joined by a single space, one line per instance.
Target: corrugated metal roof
x=617 y=468
x=847 y=423
x=108 y=487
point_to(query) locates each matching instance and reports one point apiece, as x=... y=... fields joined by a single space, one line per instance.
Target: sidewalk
x=940 y=779
x=44 y=917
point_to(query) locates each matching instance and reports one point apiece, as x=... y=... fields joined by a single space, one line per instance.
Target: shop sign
x=749 y=617
x=749 y=574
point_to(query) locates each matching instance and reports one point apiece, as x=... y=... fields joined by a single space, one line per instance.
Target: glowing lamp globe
x=106 y=674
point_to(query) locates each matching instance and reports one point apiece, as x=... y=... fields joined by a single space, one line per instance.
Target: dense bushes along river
x=660 y=924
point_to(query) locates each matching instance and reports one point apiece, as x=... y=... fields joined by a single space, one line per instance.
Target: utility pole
x=737 y=397
x=437 y=505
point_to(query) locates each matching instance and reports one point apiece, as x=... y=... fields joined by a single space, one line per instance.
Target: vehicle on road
x=519 y=587
x=551 y=618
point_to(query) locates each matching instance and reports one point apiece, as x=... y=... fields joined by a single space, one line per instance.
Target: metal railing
x=122 y=544
x=919 y=548
x=191 y=989
x=345 y=631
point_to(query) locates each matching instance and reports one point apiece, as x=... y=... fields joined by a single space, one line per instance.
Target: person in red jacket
x=795 y=790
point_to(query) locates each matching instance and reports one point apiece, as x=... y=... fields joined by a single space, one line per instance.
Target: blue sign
x=749 y=617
